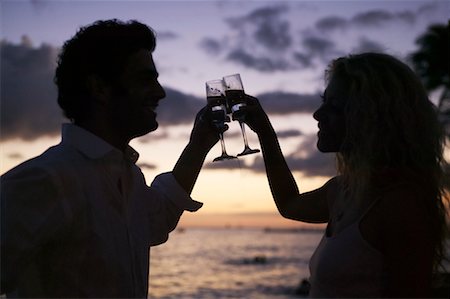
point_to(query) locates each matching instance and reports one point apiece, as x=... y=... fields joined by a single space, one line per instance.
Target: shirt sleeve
x=168 y=185
x=166 y=202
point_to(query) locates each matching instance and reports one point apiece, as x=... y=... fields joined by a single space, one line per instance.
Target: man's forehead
x=141 y=60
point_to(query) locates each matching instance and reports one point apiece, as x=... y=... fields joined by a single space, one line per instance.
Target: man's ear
x=99 y=90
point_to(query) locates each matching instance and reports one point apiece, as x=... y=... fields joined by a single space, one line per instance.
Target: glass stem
x=243 y=133
x=222 y=143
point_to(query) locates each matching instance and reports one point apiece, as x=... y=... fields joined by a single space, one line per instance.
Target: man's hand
x=205 y=134
x=203 y=137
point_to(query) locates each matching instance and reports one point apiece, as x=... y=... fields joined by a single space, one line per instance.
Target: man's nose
x=161 y=93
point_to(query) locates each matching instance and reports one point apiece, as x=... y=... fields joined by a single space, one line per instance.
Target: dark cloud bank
x=28 y=95
x=263 y=39
x=29 y=109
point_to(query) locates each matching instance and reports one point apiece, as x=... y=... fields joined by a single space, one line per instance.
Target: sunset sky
x=280 y=48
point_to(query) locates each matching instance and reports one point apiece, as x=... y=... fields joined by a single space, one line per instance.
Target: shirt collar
x=93 y=146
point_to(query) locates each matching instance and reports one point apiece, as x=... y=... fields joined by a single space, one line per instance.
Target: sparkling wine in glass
x=218 y=104
x=234 y=92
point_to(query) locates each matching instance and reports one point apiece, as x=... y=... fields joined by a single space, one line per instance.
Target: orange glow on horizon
x=238 y=220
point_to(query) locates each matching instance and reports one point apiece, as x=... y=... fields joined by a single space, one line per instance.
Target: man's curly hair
x=99 y=49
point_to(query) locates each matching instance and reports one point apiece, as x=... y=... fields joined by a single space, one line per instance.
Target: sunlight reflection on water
x=231 y=263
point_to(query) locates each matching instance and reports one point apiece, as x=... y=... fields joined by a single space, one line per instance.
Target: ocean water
x=232 y=263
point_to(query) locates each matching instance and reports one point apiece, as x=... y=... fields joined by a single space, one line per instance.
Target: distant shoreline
x=315 y=230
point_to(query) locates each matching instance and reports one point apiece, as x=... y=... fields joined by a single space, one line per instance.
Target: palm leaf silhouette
x=432 y=63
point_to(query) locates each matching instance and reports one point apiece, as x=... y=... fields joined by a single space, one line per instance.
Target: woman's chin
x=326 y=147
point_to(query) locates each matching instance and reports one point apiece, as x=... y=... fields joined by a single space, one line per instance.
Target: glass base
x=224 y=157
x=249 y=151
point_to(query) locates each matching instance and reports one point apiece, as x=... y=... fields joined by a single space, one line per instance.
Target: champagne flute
x=234 y=92
x=217 y=101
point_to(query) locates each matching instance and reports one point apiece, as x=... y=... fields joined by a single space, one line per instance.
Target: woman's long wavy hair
x=391 y=124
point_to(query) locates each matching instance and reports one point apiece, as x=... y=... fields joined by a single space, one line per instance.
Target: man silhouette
x=78 y=220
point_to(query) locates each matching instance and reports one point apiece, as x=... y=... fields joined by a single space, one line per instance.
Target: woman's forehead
x=337 y=86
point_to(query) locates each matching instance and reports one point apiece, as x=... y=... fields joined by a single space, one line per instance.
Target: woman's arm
x=308 y=207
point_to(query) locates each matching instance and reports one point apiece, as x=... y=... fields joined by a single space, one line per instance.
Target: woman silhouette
x=385 y=212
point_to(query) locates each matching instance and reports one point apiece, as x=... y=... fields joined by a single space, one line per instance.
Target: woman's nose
x=317 y=114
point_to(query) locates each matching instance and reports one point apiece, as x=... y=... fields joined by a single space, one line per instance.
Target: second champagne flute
x=234 y=91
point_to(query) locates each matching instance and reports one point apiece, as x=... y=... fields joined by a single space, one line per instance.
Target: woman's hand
x=255 y=117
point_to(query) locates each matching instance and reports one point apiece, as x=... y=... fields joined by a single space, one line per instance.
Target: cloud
x=280 y=134
x=271 y=31
x=427 y=8
x=29 y=108
x=211 y=46
x=304 y=60
x=331 y=23
x=161 y=134
x=264 y=26
x=145 y=165
x=260 y=40
x=310 y=161
x=367 y=45
x=232 y=164
x=289 y=133
x=373 y=18
x=260 y=63
x=28 y=95
x=38 y=4
x=314 y=165
x=317 y=46
x=306 y=159
x=266 y=39
x=285 y=102
x=15 y=155
x=381 y=17
x=406 y=16
x=179 y=108
x=166 y=35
